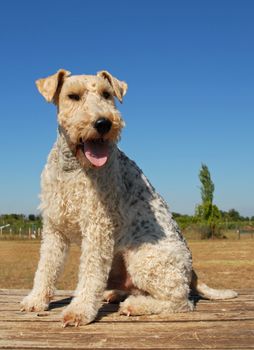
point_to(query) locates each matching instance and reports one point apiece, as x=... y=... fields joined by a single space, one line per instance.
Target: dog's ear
x=119 y=87
x=50 y=86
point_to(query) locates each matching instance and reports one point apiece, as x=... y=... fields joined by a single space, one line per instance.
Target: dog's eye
x=75 y=97
x=106 y=95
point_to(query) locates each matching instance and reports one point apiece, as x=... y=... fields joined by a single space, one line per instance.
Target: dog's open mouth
x=96 y=151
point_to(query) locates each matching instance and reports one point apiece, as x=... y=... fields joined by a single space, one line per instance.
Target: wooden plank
x=201 y=305
x=58 y=298
x=126 y=327
x=240 y=307
x=15 y=316
x=195 y=339
x=109 y=314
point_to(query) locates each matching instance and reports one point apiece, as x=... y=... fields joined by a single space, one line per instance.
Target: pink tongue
x=96 y=152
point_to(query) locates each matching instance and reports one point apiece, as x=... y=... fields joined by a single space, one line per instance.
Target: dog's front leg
x=53 y=251
x=95 y=263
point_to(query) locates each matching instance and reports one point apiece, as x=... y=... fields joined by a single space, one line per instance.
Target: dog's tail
x=209 y=293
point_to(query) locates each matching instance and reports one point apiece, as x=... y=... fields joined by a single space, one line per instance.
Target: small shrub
x=209 y=231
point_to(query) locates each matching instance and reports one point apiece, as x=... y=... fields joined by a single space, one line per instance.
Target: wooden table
x=213 y=325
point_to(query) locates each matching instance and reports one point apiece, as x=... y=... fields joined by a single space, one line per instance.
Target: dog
x=132 y=250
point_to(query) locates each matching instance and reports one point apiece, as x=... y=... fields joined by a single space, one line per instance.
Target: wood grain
x=220 y=325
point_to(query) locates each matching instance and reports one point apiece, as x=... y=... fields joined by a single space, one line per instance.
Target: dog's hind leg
x=163 y=276
x=147 y=305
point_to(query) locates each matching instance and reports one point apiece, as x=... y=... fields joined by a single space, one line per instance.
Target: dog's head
x=86 y=112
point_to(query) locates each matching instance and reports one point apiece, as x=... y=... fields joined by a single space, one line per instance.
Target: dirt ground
x=220 y=263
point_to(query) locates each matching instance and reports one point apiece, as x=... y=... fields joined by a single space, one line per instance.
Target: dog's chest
x=72 y=197
x=63 y=196
x=72 y=200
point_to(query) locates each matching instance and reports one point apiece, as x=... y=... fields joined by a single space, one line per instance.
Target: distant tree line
x=12 y=218
x=229 y=219
x=20 y=224
x=231 y=215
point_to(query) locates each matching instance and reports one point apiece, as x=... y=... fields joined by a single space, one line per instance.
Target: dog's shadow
x=195 y=298
x=105 y=309
x=56 y=304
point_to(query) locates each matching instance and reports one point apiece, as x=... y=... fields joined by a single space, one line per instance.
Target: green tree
x=31 y=217
x=207 y=214
x=234 y=215
x=207 y=187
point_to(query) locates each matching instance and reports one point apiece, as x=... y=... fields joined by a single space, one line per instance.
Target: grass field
x=220 y=263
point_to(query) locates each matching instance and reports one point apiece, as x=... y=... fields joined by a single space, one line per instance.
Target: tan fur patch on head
x=87 y=115
x=82 y=101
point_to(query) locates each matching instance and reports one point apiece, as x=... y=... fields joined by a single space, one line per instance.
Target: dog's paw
x=129 y=308
x=33 y=303
x=114 y=296
x=75 y=315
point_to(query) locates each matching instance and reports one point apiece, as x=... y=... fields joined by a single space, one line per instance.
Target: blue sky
x=189 y=67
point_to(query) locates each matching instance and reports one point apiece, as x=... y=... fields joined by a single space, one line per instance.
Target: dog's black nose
x=102 y=125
